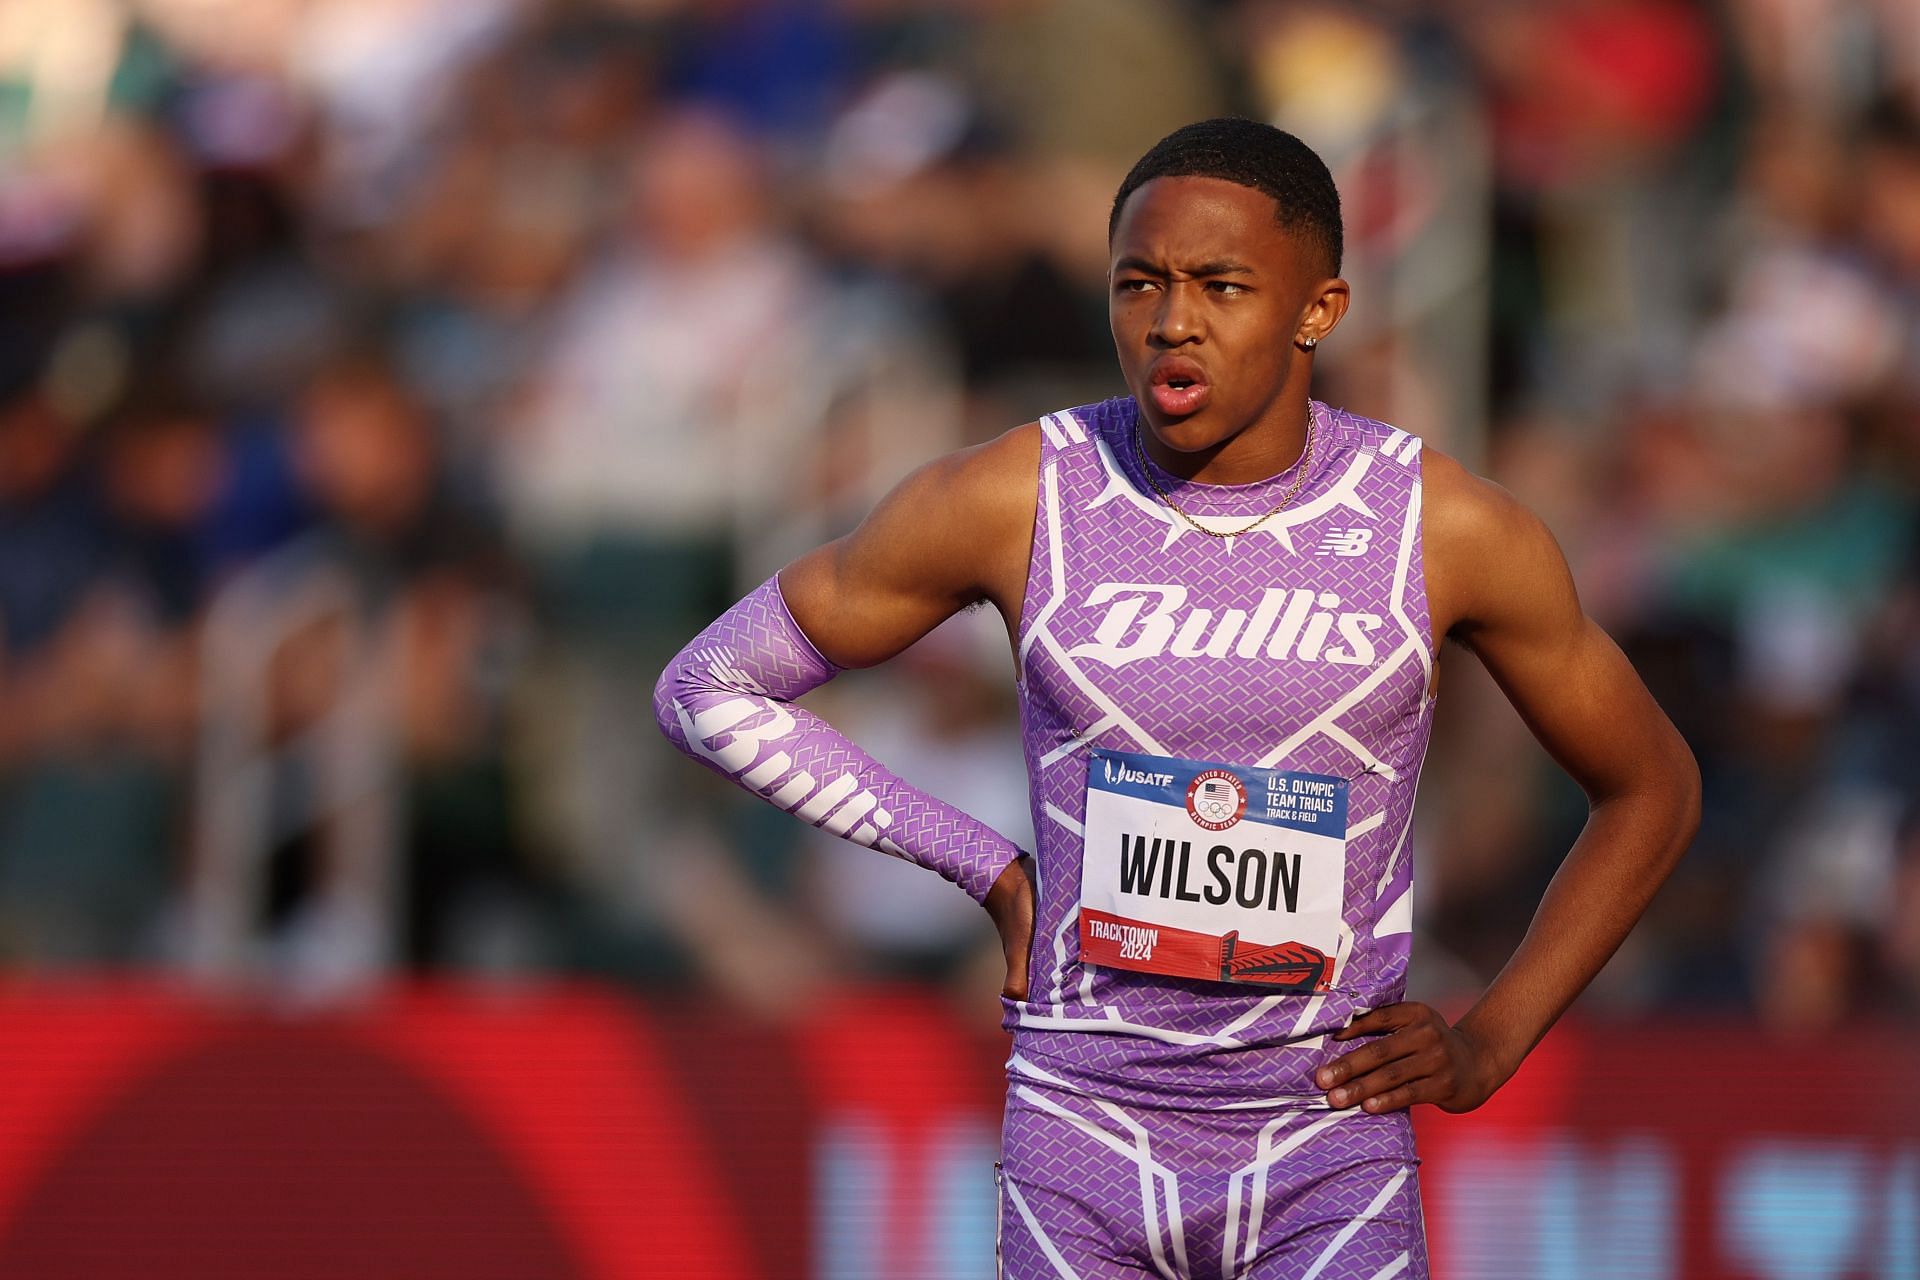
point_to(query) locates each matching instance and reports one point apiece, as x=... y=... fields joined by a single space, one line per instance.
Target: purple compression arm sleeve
x=726 y=700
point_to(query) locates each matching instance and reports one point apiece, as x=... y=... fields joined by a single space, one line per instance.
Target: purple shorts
x=1090 y=1191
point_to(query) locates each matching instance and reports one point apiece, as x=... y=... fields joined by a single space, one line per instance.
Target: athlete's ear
x=1323 y=312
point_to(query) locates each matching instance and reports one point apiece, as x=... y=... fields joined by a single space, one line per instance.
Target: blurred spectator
x=353 y=810
x=163 y=470
x=86 y=813
x=917 y=184
x=704 y=387
x=53 y=528
x=627 y=472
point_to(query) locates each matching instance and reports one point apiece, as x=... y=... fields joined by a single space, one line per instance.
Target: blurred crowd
x=389 y=387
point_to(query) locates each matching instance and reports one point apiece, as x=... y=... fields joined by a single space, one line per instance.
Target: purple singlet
x=1303 y=645
x=1200 y=714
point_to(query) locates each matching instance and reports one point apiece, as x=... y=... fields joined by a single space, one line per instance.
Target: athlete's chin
x=1189 y=434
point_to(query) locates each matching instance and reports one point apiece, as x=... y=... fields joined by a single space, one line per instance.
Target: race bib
x=1214 y=871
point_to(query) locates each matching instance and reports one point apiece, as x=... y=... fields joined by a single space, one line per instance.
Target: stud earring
x=1309 y=343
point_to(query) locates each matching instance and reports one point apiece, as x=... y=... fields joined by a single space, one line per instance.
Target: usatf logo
x=1216 y=799
x=1120 y=771
x=1345 y=542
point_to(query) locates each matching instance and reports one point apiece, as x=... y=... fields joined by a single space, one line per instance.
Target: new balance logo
x=1147 y=619
x=1345 y=542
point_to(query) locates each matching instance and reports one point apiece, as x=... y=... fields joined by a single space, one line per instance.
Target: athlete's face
x=1208 y=298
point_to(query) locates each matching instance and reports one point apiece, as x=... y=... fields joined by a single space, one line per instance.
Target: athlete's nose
x=1177 y=320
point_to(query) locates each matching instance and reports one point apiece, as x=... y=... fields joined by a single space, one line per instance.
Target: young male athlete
x=1224 y=600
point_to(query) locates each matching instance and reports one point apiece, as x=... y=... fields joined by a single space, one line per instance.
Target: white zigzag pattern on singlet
x=1400 y=571
x=1342 y=948
x=1402 y=560
x=1321 y=722
x=1395 y=917
x=1341 y=951
x=1413 y=645
x=1112 y=1021
x=1039 y=633
x=1067 y=922
x=1121 y=720
x=1344 y=493
x=1065 y=424
x=1056 y=569
x=1406 y=829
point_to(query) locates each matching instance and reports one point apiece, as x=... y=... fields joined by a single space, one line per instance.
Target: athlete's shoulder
x=978 y=502
x=992 y=476
x=954 y=530
x=1484 y=548
x=962 y=498
x=1460 y=507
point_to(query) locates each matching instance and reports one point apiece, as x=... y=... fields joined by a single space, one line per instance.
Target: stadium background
x=387 y=387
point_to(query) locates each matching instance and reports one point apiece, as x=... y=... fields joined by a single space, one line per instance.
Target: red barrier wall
x=578 y=1132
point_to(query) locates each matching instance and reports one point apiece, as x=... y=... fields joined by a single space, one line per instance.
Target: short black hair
x=1254 y=155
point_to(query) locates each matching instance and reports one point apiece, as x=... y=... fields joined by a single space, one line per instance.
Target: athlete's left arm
x=1499 y=585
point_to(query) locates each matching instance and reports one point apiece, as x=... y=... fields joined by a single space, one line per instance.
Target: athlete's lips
x=1178 y=386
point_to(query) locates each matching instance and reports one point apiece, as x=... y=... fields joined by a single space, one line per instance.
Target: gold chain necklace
x=1304 y=463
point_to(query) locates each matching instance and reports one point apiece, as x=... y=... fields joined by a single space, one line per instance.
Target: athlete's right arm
x=954 y=533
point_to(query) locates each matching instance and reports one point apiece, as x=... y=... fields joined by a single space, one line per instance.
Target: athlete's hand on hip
x=1010 y=903
x=1418 y=1058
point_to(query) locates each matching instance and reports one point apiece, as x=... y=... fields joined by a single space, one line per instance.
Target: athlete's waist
x=1257 y=1078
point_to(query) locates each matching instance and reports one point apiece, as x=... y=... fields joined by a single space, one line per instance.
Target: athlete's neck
x=1268 y=447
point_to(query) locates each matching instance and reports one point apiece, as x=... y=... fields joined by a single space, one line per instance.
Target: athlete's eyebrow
x=1217 y=267
x=1221 y=267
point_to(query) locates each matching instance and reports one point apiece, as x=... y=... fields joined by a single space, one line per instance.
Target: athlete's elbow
x=1659 y=794
x=1688 y=798
x=1675 y=792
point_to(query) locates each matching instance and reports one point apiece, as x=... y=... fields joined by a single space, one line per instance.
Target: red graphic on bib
x=1217 y=799
x=1294 y=966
